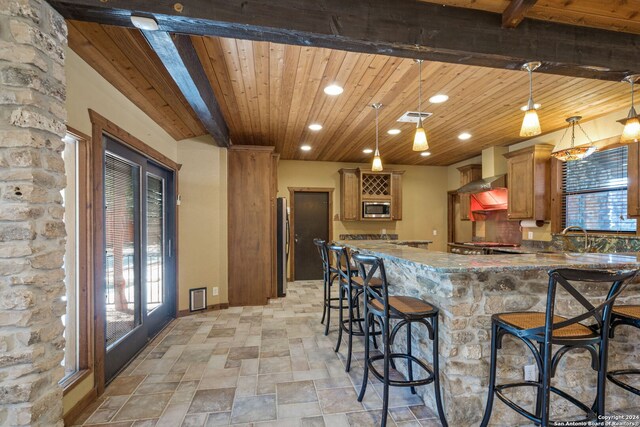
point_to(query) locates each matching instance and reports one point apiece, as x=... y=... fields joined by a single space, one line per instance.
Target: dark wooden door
x=311 y=220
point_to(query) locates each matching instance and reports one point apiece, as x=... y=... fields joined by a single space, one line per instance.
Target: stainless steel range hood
x=485 y=184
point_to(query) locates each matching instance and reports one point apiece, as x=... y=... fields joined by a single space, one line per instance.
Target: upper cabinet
x=633 y=189
x=358 y=185
x=349 y=195
x=468 y=173
x=528 y=175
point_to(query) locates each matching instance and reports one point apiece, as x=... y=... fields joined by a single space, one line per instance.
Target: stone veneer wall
x=466 y=302
x=32 y=232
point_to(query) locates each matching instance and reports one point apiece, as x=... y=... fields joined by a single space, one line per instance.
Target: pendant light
x=420 y=139
x=631 y=131
x=573 y=152
x=377 y=161
x=530 y=123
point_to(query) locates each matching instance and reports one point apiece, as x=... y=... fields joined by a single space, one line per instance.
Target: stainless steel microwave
x=376 y=209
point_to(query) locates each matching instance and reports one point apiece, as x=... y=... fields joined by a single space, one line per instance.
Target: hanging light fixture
x=573 y=152
x=420 y=139
x=631 y=131
x=377 y=161
x=530 y=123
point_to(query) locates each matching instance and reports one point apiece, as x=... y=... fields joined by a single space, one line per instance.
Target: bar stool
x=624 y=315
x=350 y=289
x=407 y=310
x=330 y=273
x=548 y=329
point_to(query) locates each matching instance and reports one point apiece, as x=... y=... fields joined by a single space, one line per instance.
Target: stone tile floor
x=260 y=366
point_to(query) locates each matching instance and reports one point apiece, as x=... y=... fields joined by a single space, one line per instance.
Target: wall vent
x=412 y=116
x=197 y=299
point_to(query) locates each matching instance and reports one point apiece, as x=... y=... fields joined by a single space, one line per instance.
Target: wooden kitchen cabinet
x=251 y=224
x=633 y=173
x=528 y=177
x=468 y=173
x=349 y=195
x=396 y=195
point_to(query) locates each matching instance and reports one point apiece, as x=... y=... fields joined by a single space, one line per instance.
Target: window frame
x=557 y=191
x=84 y=299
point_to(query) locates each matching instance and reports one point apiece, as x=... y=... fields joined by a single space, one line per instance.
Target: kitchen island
x=468 y=290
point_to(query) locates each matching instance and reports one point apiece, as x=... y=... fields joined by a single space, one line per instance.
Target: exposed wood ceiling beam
x=181 y=61
x=514 y=13
x=404 y=28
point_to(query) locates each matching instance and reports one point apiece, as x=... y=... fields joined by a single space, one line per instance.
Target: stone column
x=32 y=236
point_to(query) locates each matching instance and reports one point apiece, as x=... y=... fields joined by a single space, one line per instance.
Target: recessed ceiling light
x=536 y=106
x=464 y=136
x=425 y=154
x=393 y=131
x=438 y=99
x=305 y=148
x=367 y=151
x=333 y=90
x=315 y=126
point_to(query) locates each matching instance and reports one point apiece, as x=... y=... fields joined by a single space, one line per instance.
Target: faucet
x=578 y=228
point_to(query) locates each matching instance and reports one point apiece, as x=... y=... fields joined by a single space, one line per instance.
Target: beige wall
x=424 y=198
x=202 y=180
x=202 y=220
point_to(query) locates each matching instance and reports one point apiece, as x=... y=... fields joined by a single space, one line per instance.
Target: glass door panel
x=121 y=219
x=155 y=242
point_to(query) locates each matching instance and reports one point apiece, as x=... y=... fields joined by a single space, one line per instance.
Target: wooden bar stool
x=624 y=315
x=546 y=329
x=350 y=290
x=407 y=311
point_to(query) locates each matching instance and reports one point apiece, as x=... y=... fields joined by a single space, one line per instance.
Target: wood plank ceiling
x=619 y=15
x=269 y=93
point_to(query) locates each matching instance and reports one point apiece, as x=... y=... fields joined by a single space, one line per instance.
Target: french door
x=139 y=262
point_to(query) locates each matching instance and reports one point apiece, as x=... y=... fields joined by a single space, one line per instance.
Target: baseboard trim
x=73 y=414
x=183 y=313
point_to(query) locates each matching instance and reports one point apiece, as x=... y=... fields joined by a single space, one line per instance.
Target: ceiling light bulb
x=305 y=148
x=367 y=151
x=333 y=90
x=377 y=163
x=425 y=154
x=420 y=139
x=393 y=131
x=530 y=124
x=526 y=107
x=315 y=126
x=464 y=136
x=438 y=99
x=144 y=23
x=631 y=131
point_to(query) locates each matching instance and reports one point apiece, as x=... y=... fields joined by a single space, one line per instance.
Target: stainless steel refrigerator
x=282 y=245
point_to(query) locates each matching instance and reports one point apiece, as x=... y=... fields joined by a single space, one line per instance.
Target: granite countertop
x=453 y=263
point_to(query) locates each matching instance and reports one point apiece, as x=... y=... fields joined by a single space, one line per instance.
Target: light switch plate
x=214 y=291
x=530 y=235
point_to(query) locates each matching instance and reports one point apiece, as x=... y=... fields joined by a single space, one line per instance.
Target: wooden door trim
x=292 y=226
x=451 y=215
x=100 y=127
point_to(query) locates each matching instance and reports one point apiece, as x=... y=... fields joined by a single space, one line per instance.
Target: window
x=595 y=192
x=70 y=200
x=76 y=319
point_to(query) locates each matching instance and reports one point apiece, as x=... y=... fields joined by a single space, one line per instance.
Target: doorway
x=311 y=217
x=139 y=262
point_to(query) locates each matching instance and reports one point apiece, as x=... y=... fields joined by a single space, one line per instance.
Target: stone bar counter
x=468 y=289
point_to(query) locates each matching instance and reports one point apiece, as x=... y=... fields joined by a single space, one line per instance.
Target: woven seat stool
x=624 y=315
x=384 y=308
x=541 y=331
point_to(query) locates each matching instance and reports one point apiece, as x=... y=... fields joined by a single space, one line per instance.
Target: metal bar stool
x=350 y=289
x=624 y=315
x=330 y=273
x=547 y=329
x=407 y=310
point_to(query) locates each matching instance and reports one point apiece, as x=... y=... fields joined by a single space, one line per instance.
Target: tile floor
x=260 y=366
